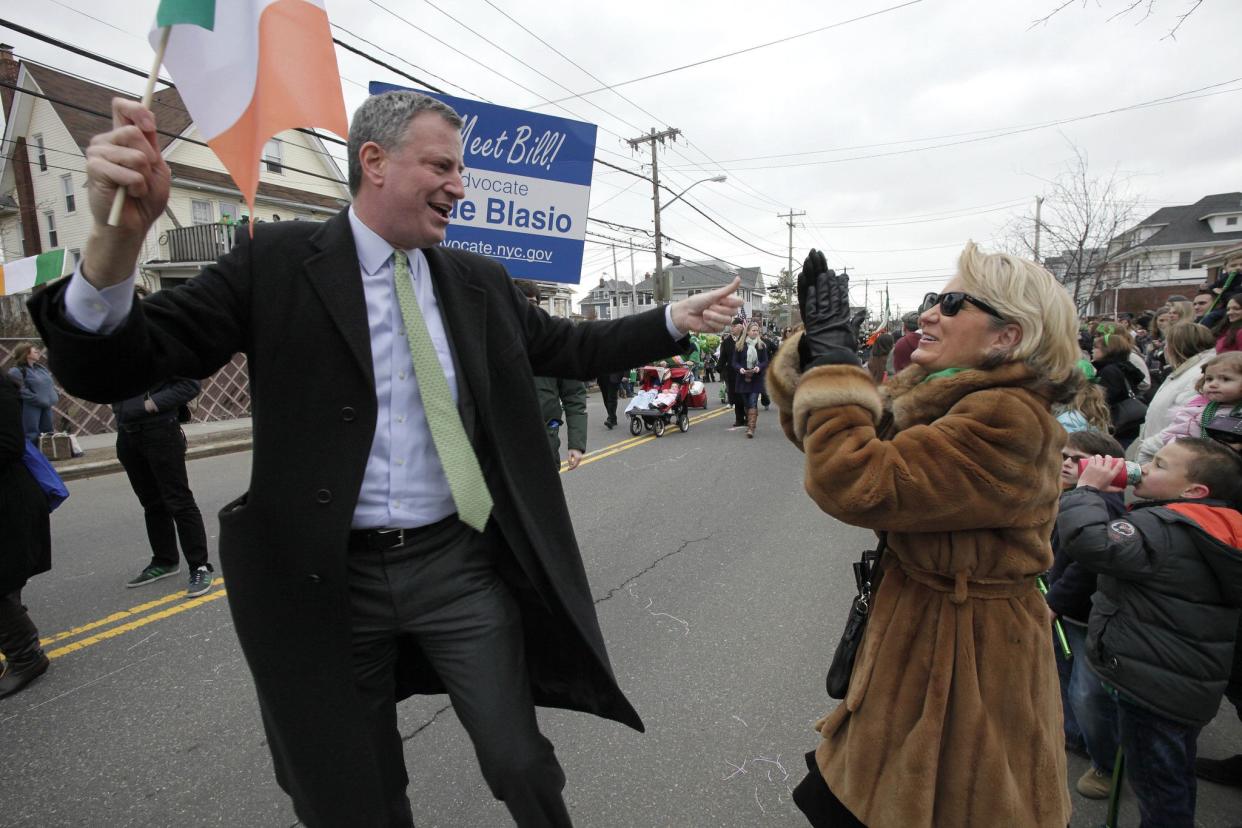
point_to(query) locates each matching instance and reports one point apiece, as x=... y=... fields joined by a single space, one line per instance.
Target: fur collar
x=913 y=402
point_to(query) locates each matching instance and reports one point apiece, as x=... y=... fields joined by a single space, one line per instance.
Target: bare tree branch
x=1173 y=32
x=1083 y=216
x=1044 y=20
x=1130 y=6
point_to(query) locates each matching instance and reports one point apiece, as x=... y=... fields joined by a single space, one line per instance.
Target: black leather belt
x=130 y=428
x=380 y=540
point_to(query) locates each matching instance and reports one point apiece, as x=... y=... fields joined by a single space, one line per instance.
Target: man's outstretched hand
x=707 y=312
x=824 y=300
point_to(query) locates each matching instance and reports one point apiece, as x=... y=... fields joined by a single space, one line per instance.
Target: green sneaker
x=153 y=573
x=200 y=581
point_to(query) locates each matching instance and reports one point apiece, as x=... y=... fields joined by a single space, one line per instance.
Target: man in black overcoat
x=349 y=589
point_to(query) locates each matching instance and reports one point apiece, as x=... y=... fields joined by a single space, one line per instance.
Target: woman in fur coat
x=953 y=713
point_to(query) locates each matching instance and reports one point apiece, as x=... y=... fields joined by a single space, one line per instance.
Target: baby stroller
x=661 y=401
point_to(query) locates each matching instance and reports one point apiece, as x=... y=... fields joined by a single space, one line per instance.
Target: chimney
x=8 y=74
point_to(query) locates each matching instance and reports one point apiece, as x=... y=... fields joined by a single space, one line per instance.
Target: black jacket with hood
x=1166 y=609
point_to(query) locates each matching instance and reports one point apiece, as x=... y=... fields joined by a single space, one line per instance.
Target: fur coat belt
x=961 y=587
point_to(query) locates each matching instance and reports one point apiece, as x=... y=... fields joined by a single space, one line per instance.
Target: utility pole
x=789 y=284
x=663 y=294
x=1039 y=203
x=616 y=279
x=633 y=284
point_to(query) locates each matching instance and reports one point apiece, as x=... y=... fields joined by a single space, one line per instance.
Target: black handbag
x=867 y=578
x=1129 y=414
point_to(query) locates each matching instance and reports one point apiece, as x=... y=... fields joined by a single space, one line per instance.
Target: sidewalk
x=204 y=440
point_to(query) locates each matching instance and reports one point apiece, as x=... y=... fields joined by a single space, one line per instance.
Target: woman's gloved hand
x=831 y=337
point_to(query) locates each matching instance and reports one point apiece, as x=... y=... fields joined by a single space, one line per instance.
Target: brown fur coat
x=953 y=715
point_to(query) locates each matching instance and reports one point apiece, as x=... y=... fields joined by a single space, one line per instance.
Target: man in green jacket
x=562 y=402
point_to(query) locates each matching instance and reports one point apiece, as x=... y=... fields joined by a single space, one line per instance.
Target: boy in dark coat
x=1163 y=622
x=1089 y=711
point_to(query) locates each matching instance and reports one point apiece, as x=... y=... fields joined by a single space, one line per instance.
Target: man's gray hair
x=384 y=120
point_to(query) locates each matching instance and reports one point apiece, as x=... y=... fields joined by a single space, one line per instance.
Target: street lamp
x=664 y=292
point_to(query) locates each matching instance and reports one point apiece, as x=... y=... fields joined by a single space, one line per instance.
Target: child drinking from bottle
x=1163 y=620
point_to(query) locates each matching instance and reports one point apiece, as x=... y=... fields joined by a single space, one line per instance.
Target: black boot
x=19 y=641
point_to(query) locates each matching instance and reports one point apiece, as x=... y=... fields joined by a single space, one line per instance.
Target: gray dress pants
x=441 y=588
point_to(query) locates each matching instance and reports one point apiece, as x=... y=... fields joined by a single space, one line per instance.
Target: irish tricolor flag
x=248 y=69
x=24 y=274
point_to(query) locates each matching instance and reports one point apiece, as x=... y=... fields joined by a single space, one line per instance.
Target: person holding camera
x=952 y=714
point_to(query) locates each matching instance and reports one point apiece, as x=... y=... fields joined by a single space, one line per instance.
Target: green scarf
x=947 y=372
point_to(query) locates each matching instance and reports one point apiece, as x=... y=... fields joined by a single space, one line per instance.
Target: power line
x=742 y=51
x=1180 y=97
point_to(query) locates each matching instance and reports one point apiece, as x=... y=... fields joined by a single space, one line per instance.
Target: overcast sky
x=792 y=124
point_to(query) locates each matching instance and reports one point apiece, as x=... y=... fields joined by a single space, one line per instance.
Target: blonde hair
x=1185 y=340
x=1092 y=404
x=1027 y=295
x=1229 y=360
x=1184 y=310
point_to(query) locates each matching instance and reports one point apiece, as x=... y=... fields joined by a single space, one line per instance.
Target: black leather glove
x=831 y=337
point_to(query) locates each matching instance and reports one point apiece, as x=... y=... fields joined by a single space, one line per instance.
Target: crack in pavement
x=612 y=592
x=427 y=723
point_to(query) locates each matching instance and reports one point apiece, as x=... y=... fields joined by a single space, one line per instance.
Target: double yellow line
x=136 y=613
x=174 y=603
x=625 y=445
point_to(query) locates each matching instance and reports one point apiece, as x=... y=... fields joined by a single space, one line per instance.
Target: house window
x=40 y=153
x=66 y=184
x=52 y=239
x=1231 y=220
x=271 y=156
x=200 y=212
x=1183 y=260
x=228 y=213
x=76 y=253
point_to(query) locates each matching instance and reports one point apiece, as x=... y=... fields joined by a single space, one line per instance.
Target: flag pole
x=118 y=201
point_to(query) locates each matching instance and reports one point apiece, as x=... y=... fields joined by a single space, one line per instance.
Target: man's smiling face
x=421 y=182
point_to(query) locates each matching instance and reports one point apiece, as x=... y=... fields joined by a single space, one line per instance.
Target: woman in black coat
x=1117 y=376
x=25 y=548
x=727 y=346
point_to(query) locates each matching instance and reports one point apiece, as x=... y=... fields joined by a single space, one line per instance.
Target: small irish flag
x=248 y=69
x=24 y=274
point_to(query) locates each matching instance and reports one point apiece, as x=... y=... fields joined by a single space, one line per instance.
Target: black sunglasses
x=950 y=303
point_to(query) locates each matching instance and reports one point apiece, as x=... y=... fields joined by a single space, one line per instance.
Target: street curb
x=193 y=452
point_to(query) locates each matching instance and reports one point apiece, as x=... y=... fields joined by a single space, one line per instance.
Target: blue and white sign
x=528 y=186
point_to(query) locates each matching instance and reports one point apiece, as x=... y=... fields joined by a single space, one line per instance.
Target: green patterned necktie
x=461 y=466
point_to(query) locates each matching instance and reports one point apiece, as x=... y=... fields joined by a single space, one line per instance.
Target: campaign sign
x=528 y=186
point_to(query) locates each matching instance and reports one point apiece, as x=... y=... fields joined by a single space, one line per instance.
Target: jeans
x=1160 y=765
x=1090 y=711
x=36 y=420
x=750 y=400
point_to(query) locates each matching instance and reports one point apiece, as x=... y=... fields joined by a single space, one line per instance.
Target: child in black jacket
x=1163 y=619
x=1090 y=713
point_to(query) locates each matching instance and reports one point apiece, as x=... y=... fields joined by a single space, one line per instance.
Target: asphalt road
x=720 y=587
